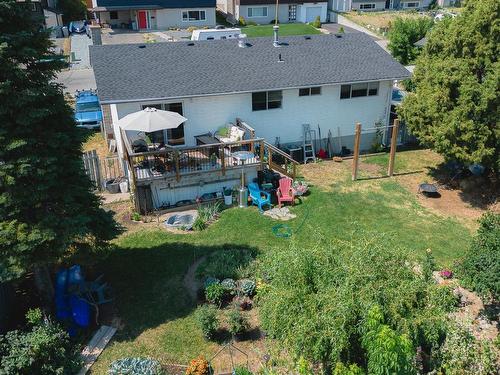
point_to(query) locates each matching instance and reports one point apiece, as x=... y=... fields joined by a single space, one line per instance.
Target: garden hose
x=285 y=231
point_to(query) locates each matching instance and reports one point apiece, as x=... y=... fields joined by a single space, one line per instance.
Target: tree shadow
x=477 y=191
x=148 y=283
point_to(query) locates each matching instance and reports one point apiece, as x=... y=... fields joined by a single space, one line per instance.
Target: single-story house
x=154 y=14
x=264 y=11
x=377 y=5
x=367 y=5
x=326 y=81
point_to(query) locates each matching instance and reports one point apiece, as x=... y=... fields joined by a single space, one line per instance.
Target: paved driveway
x=76 y=79
x=80 y=48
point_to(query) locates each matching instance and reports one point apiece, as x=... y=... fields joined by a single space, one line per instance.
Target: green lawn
x=147 y=267
x=285 y=29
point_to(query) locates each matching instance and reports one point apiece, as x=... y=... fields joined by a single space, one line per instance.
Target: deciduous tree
x=403 y=34
x=455 y=106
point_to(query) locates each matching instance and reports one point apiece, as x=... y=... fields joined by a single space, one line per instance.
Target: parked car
x=88 y=113
x=78 y=26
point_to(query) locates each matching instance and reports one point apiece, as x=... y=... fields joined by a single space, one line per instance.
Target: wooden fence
x=101 y=170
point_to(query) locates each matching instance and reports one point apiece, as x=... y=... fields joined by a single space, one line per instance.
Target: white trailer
x=215 y=34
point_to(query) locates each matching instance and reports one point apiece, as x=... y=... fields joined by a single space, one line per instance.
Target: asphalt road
x=76 y=79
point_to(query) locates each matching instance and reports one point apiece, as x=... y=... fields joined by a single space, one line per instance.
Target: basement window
x=266 y=100
x=310 y=91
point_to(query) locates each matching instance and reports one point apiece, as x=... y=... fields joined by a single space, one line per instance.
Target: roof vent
x=142 y=46
x=242 y=41
x=190 y=44
x=338 y=35
x=307 y=37
x=276 y=41
x=280 y=59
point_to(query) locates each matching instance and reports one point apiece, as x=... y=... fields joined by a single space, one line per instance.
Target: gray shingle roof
x=147 y=4
x=177 y=69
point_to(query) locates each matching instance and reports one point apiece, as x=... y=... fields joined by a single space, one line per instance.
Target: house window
x=266 y=100
x=292 y=12
x=310 y=91
x=175 y=137
x=113 y=15
x=366 y=6
x=412 y=5
x=193 y=15
x=257 y=12
x=358 y=89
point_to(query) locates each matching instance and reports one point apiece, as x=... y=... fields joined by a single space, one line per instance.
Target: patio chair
x=259 y=197
x=285 y=192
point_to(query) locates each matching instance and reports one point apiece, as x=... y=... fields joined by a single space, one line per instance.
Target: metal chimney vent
x=242 y=41
x=276 y=41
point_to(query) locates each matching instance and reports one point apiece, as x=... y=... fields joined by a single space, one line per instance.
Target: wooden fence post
x=177 y=166
x=392 y=155
x=222 y=157
x=355 y=160
x=261 y=155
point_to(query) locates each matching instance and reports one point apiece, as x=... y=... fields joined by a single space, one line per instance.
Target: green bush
x=209 y=212
x=209 y=281
x=351 y=369
x=225 y=264
x=316 y=300
x=404 y=33
x=240 y=370
x=135 y=366
x=247 y=287
x=229 y=285
x=215 y=293
x=317 y=22
x=207 y=319
x=236 y=322
x=242 y=21
x=44 y=349
x=199 y=224
x=480 y=268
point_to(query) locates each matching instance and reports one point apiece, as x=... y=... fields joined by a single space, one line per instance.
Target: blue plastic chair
x=259 y=197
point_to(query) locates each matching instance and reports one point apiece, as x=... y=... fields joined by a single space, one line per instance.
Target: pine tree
x=455 y=107
x=47 y=208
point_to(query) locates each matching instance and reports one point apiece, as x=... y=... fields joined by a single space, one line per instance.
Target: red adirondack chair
x=285 y=192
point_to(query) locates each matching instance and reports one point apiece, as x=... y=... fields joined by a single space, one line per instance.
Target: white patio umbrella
x=150 y=120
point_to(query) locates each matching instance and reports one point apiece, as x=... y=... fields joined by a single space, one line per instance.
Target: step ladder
x=309 y=136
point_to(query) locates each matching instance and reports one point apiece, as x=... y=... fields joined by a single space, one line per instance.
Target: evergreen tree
x=47 y=208
x=455 y=107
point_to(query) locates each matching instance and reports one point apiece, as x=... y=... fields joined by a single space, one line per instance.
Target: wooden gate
x=101 y=170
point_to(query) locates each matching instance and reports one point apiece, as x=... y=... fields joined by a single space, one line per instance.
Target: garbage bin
x=134 y=25
x=65 y=31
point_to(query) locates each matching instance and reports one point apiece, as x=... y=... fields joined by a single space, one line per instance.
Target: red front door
x=142 y=18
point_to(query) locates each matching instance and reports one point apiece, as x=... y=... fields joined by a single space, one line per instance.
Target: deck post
x=177 y=165
x=294 y=171
x=261 y=156
x=392 y=154
x=355 y=160
x=222 y=159
x=269 y=158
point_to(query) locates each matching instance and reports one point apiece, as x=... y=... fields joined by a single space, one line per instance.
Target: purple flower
x=446 y=274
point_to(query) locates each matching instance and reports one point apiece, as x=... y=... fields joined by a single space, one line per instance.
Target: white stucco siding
x=207 y=114
x=166 y=18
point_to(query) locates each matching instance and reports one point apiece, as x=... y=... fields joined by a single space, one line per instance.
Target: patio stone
x=277 y=213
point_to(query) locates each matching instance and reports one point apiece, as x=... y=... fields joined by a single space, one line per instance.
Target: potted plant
x=228 y=197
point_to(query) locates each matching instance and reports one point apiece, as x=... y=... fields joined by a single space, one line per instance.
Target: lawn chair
x=259 y=197
x=285 y=192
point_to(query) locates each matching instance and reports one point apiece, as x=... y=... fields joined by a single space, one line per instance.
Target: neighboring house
x=264 y=11
x=330 y=81
x=378 y=5
x=154 y=14
x=46 y=13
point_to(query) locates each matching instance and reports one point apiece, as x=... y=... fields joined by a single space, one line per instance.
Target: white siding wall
x=207 y=114
x=124 y=16
x=166 y=18
x=302 y=11
x=242 y=10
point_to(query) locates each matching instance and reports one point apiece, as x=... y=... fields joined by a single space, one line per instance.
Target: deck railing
x=178 y=162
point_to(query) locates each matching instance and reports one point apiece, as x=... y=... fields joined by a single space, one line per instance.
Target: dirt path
x=190 y=281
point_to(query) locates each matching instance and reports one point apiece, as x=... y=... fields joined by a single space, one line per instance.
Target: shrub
x=209 y=212
x=215 y=293
x=199 y=223
x=247 y=287
x=242 y=21
x=480 y=268
x=316 y=298
x=44 y=349
x=229 y=285
x=240 y=370
x=236 y=322
x=135 y=366
x=273 y=22
x=225 y=264
x=198 y=366
x=462 y=354
x=207 y=320
x=209 y=281
x=351 y=369
x=317 y=22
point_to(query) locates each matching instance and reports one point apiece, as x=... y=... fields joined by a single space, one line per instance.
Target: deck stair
x=309 y=136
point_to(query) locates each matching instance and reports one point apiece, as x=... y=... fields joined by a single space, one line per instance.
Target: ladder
x=308 y=145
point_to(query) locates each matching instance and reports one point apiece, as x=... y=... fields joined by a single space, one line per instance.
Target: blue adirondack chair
x=259 y=197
